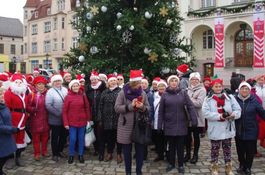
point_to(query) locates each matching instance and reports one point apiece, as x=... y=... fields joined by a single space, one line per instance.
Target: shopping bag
x=89 y=135
x=26 y=138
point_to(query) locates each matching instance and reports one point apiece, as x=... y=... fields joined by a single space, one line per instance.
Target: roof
x=32 y=3
x=42 y=10
x=11 y=27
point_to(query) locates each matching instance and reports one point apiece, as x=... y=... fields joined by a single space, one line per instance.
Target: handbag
x=187 y=114
x=89 y=135
x=142 y=131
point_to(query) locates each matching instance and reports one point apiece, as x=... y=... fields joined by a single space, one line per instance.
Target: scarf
x=173 y=89
x=160 y=94
x=111 y=89
x=134 y=93
x=206 y=87
x=97 y=85
x=242 y=98
x=220 y=103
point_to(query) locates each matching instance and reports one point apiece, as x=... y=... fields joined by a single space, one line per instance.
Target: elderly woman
x=38 y=120
x=109 y=117
x=66 y=79
x=7 y=143
x=129 y=102
x=54 y=105
x=171 y=116
x=247 y=129
x=220 y=110
x=76 y=114
x=197 y=94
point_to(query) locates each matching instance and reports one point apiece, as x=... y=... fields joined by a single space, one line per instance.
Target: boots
x=214 y=168
x=187 y=156
x=81 y=159
x=8 y=164
x=71 y=159
x=119 y=158
x=108 y=158
x=228 y=168
x=19 y=162
x=194 y=159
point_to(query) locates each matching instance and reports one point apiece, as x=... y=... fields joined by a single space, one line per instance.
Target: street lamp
x=47 y=56
x=14 y=59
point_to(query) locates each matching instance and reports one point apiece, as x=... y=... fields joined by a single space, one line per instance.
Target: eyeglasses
x=119 y=79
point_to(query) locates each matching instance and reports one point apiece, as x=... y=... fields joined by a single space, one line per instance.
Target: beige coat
x=198 y=92
x=126 y=118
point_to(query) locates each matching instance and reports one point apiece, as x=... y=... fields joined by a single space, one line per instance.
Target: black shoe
x=101 y=158
x=247 y=171
x=158 y=159
x=187 y=157
x=95 y=153
x=128 y=173
x=202 y=135
x=81 y=159
x=170 y=167
x=181 y=169
x=55 y=158
x=240 y=170
x=61 y=154
x=194 y=159
x=71 y=159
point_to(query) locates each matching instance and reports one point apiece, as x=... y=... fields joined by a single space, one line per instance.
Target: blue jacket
x=151 y=103
x=247 y=127
x=7 y=141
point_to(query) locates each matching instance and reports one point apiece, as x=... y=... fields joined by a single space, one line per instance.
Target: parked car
x=47 y=73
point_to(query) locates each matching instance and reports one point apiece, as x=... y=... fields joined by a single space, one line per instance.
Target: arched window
x=208 y=39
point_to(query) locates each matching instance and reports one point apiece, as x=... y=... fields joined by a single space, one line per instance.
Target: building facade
x=238 y=36
x=47 y=32
x=11 y=45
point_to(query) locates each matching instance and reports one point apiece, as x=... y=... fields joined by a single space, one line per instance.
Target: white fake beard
x=18 y=90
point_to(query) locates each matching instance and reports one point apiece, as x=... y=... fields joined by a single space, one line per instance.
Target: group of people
x=180 y=109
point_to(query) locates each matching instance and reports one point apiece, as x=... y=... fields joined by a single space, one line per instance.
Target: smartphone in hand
x=140 y=99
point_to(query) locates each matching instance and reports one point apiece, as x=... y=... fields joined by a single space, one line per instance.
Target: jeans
x=80 y=133
x=59 y=135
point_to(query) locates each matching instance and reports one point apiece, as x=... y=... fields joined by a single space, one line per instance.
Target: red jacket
x=38 y=121
x=75 y=113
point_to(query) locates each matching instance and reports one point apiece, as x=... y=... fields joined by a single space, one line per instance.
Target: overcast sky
x=12 y=8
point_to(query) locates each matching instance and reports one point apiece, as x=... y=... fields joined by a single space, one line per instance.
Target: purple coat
x=171 y=113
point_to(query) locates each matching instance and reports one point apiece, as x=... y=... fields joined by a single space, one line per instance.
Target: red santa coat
x=18 y=119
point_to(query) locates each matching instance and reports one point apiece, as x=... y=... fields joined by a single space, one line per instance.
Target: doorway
x=208 y=69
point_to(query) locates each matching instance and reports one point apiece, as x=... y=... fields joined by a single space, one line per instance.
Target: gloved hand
x=35 y=110
x=160 y=131
x=18 y=130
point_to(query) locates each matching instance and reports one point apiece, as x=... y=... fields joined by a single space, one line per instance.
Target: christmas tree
x=120 y=35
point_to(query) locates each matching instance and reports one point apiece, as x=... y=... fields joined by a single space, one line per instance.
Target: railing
x=231 y=62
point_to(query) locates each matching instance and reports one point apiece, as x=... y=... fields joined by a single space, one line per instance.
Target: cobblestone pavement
x=93 y=166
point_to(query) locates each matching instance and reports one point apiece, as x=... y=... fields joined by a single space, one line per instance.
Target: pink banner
x=258 y=22
x=219 y=42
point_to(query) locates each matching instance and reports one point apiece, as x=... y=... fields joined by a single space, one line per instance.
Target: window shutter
x=203 y=3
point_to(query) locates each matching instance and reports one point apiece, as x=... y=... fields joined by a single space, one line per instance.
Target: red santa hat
x=94 y=74
x=111 y=77
x=120 y=76
x=156 y=80
x=103 y=75
x=3 y=78
x=65 y=74
x=244 y=83
x=136 y=75
x=36 y=70
x=207 y=79
x=72 y=83
x=172 y=76
x=29 y=78
x=80 y=78
x=217 y=81
x=183 y=68
x=17 y=77
x=55 y=77
x=145 y=80
x=39 y=79
x=7 y=74
x=162 y=82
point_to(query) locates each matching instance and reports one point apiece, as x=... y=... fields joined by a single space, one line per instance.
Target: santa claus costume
x=15 y=99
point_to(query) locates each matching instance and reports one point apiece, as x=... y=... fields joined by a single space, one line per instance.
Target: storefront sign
x=219 y=42
x=258 y=20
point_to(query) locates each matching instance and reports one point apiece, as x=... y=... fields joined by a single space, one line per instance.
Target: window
x=1 y=48
x=48 y=11
x=34 y=29
x=25 y=48
x=47 y=46
x=208 y=3
x=21 y=49
x=31 y=12
x=13 y=49
x=54 y=44
x=47 y=27
x=75 y=21
x=25 y=14
x=208 y=40
x=62 y=22
x=25 y=30
x=34 y=64
x=63 y=44
x=74 y=42
x=34 y=47
x=36 y=14
x=46 y=66
x=54 y=23
x=60 y=5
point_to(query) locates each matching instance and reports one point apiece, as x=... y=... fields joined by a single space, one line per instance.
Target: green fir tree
x=117 y=36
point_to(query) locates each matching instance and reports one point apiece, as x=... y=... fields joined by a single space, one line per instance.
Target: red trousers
x=44 y=136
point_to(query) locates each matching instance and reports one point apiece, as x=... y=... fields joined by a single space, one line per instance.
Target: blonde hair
x=1 y=90
x=107 y=84
x=134 y=83
x=260 y=77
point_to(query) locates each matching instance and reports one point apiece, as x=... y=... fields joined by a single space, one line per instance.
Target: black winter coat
x=93 y=96
x=247 y=127
x=235 y=82
x=106 y=110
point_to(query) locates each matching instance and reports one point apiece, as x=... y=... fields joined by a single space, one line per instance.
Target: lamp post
x=14 y=65
x=14 y=59
x=47 y=56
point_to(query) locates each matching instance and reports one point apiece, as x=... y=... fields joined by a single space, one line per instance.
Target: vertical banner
x=258 y=22
x=219 y=42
